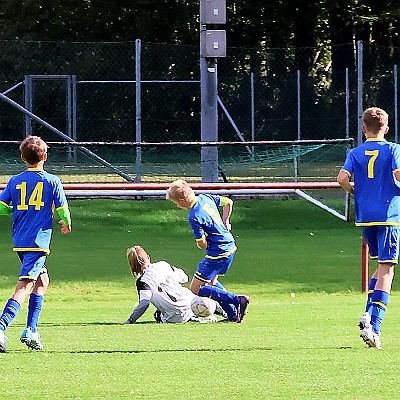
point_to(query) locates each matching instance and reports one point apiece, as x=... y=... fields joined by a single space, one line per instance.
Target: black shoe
x=242 y=307
x=228 y=320
x=157 y=316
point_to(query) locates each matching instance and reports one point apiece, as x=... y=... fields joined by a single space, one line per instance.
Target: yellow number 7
x=374 y=155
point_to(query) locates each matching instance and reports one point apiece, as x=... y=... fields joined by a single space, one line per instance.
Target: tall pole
x=138 y=107
x=212 y=45
x=209 y=119
x=359 y=91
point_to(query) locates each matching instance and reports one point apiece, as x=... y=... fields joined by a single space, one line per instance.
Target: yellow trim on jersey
x=345 y=170
x=34 y=278
x=59 y=208
x=223 y=201
x=221 y=256
x=47 y=251
x=375 y=139
x=202 y=238
x=193 y=202
x=396 y=170
x=5 y=204
x=389 y=223
x=201 y=279
x=387 y=261
x=35 y=169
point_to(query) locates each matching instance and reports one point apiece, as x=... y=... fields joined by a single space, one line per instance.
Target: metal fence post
x=71 y=115
x=396 y=105
x=28 y=103
x=296 y=158
x=252 y=112
x=138 y=119
x=360 y=107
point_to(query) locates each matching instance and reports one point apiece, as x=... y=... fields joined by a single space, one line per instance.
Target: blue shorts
x=33 y=264
x=209 y=268
x=383 y=242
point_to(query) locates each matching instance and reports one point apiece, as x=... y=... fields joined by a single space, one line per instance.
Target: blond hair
x=375 y=119
x=180 y=190
x=138 y=260
x=33 y=149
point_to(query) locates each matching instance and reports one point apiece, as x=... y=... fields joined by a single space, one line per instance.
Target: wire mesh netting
x=167 y=161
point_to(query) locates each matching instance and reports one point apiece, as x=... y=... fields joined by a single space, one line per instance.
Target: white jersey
x=167 y=293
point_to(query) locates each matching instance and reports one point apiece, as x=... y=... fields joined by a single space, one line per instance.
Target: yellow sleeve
x=5 y=209
x=223 y=201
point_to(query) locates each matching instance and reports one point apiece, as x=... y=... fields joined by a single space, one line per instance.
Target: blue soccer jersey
x=376 y=190
x=206 y=222
x=33 y=194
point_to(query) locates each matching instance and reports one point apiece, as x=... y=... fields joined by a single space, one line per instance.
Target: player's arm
x=397 y=174
x=343 y=179
x=199 y=234
x=201 y=243
x=145 y=294
x=227 y=207
x=5 y=209
x=65 y=219
x=139 y=310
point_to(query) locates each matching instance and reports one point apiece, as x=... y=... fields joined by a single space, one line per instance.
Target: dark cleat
x=242 y=307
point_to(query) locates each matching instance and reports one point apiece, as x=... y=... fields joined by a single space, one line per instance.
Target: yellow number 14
x=34 y=200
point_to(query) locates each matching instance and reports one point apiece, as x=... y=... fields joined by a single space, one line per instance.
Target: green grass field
x=302 y=347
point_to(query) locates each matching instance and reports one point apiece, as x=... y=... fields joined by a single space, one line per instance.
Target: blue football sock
x=219 y=285
x=371 y=288
x=227 y=299
x=9 y=313
x=230 y=309
x=34 y=309
x=380 y=301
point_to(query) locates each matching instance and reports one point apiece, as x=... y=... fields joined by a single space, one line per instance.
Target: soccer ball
x=203 y=306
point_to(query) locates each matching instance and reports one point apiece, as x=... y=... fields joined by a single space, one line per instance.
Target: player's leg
x=221 y=308
x=12 y=308
x=35 y=262
x=234 y=305
x=371 y=237
x=36 y=299
x=381 y=295
x=388 y=238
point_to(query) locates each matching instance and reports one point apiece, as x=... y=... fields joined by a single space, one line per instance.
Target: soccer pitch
x=301 y=347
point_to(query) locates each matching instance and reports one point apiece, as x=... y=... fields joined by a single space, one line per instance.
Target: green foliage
x=250 y=24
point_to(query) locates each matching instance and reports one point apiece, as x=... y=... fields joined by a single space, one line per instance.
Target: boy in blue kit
x=211 y=233
x=31 y=197
x=375 y=166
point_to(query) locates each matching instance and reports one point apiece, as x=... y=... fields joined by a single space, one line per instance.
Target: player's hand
x=64 y=228
x=228 y=225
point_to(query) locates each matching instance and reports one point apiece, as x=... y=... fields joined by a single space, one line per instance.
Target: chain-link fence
x=270 y=94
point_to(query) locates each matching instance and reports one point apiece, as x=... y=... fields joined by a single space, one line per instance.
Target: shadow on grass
x=43 y=324
x=209 y=350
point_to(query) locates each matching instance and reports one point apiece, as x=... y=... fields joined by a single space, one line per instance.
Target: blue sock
x=9 y=313
x=227 y=300
x=219 y=285
x=230 y=309
x=380 y=301
x=371 y=288
x=34 y=309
